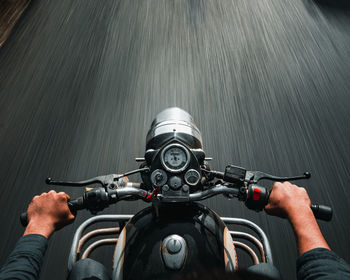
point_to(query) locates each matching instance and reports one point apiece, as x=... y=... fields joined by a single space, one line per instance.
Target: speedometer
x=175 y=158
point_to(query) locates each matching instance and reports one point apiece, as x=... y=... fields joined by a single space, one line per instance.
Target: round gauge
x=159 y=177
x=175 y=158
x=192 y=177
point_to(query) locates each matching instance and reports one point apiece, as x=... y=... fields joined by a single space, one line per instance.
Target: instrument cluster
x=175 y=169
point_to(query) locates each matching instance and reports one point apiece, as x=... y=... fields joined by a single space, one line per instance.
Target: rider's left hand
x=47 y=213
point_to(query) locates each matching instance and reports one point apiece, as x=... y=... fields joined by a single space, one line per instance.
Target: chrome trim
x=247 y=249
x=258 y=230
x=78 y=233
x=173 y=123
x=192 y=170
x=95 y=232
x=176 y=259
x=130 y=191
x=218 y=189
x=96 y=244
x=253 y=239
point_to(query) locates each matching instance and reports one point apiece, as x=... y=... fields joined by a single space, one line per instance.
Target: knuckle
x=62 y=198
x=302 y=190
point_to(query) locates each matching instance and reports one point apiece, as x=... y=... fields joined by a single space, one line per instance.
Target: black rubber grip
x=73 y=204
x=24 y=219
x=322 y=212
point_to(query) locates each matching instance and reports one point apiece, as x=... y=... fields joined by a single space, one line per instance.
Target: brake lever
x=253 y=177
x=240 y=176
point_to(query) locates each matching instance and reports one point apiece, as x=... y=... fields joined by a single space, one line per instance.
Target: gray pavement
x=267 y=81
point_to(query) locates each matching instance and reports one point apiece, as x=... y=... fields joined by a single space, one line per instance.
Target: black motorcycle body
x=142 y=246
x=176 y=235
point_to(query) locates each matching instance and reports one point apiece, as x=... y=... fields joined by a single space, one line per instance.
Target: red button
x=256 y=194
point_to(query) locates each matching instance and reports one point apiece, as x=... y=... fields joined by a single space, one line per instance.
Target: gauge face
x=192 y=177
x=175 y=158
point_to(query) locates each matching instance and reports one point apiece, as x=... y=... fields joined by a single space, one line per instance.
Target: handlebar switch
x=257 y=197
x=96 y=200
x=234 y=174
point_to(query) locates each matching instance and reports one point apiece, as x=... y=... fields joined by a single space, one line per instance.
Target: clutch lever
x=103 y=180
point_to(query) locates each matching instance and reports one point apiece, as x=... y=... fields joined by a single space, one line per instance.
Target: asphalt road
x=267 y=82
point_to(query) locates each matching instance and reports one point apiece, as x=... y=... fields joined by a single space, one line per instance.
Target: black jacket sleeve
x=322 y=264
x=26 y=259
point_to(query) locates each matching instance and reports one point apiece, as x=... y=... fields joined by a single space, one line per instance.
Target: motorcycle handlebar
x=256 y=199
x=97 y=199
x=74 y=205
x=322 y=212
x=24 y=219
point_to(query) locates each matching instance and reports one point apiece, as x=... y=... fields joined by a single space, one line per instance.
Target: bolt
x=185 y=188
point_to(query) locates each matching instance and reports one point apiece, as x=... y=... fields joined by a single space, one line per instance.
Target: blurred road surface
x=267 y=81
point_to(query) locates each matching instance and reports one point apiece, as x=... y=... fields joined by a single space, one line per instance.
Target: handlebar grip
x=24 y=219
x=322 y=212
x=74 y=205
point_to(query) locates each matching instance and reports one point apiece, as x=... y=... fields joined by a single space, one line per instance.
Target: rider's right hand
x=292 y=202
x=47 y=213
x=287 y=200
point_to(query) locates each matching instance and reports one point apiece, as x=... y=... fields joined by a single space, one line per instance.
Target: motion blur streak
x=267 y=81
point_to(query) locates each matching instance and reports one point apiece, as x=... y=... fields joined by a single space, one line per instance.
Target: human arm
x=46 y=213
x=316 y=260
x=292 y=202
x=26 y=258
x=322 y=264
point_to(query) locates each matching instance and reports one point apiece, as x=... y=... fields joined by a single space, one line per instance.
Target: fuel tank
x=174 y=240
